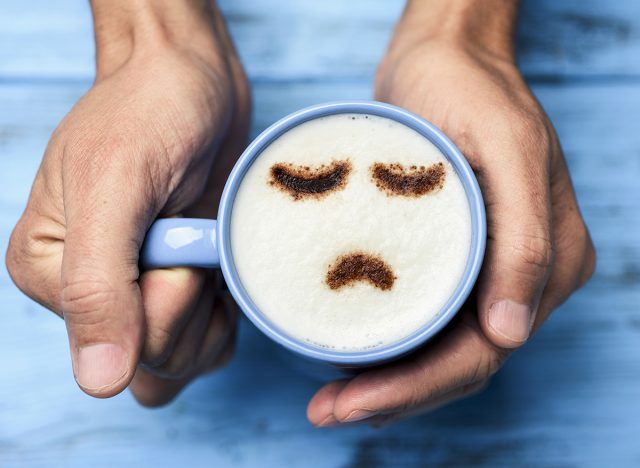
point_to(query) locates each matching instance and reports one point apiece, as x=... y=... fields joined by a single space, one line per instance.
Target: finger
x=383 y=419
x=519 y=250
x=33 y=261
x=109 y=203
x=219 y=342
x=463 y=357
x=152 y=390
x=188 y=344
x=34 y=256
x=575 y=253
x=169 y=297
x=460 y=393
x=320 y=408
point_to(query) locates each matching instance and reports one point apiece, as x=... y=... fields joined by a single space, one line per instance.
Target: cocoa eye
x=309 y=182
x=411 y=181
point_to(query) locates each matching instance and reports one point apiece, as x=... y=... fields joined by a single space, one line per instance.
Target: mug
x=206 y=243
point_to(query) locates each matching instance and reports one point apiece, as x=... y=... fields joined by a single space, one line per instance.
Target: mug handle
x=172 y=242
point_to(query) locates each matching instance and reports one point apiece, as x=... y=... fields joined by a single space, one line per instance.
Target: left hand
x=538 y=248
x=156 y=135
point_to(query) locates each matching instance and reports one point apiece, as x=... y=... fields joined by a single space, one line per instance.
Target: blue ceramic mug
x=206 y=243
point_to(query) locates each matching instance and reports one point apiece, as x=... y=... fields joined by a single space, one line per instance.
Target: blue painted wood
x=284 y=39
x=569 y=398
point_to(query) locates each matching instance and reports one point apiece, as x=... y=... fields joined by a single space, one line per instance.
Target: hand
x=156 y=135
x=538 y=249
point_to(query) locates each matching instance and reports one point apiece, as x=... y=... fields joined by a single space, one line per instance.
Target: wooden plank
x=281 y=39
x=569 y=398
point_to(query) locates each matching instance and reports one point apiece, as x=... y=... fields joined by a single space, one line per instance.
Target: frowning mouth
x=360 y=266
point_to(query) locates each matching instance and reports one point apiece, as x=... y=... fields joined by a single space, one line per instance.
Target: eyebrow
x=412 y=181
x=309 y=182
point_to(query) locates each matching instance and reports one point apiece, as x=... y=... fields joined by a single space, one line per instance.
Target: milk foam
x=282 y=247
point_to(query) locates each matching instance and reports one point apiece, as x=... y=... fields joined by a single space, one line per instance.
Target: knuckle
x=14 y=261
x=579 y=251
x=489 y=360
x=18 y=259
x=85 y=299
x=32 y=262
x=589 y=258
x=530 y=128
x=158 y=346
x=534 y=251
x=178 y=366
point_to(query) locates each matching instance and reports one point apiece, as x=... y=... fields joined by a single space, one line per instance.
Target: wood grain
x=568 y=398
x=283 y=39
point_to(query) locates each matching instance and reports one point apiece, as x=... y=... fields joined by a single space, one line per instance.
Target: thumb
x=517 y=262
x=101 y=300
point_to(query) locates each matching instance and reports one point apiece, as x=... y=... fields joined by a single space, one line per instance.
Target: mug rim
x=420 y=336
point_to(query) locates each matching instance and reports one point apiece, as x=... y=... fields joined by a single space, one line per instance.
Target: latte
x=350 y=231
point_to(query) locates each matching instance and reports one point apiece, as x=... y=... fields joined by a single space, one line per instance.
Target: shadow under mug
x=206 y=243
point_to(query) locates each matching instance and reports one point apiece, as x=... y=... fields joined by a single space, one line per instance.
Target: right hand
x=538 y=248
x=156 y=135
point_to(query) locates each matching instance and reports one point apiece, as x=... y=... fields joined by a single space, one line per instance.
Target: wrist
x=123 y=28
x=488 y=26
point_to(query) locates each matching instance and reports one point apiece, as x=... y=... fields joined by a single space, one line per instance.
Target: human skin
x=155 y=135
x=453 y=63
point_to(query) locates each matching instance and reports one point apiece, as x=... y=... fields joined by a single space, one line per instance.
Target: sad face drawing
x=314 y=183
x=350 y=231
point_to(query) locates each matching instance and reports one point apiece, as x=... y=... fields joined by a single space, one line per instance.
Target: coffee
x=350 y=231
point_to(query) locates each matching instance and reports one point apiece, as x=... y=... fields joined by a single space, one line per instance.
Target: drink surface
x=350 y=232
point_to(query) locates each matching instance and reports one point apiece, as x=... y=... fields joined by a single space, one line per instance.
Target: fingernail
x=100 y=366
x=328 y=421
x=359 y=415
x=511 y=320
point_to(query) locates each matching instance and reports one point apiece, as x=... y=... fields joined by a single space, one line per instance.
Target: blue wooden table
x=571 y=397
